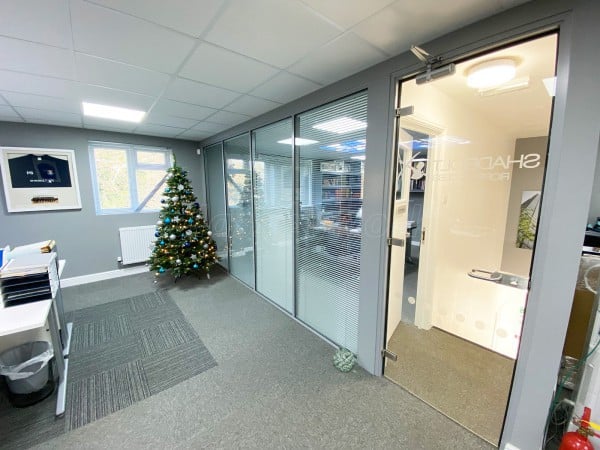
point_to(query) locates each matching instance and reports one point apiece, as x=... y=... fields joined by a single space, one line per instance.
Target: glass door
x=238 y=173
x=217 y=209
x=471 y=150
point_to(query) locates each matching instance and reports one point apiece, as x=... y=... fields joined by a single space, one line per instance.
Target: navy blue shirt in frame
x=35 y=171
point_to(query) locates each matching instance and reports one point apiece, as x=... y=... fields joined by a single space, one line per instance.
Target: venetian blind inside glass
x=274 y=212
x=238 y=173
x=217 y=210
x=331 y=145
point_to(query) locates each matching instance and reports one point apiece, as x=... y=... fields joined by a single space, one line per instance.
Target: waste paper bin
x=28 y=372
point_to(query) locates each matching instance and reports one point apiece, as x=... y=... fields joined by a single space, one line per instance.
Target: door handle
x=485 y=275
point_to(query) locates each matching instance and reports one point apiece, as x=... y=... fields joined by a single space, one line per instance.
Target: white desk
x=30 y=316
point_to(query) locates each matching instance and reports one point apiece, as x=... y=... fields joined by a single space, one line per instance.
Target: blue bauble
x=195 y=266
x=167 y=220
x=190 y=221
x=196 y=205
x=162 y=200
x=157 y=234
x=161 y=269
x=167 y=190
x=162 y=242
x=186 y=244
x=172 y=211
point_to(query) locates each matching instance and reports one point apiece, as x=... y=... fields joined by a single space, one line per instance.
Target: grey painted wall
x=88 y=242
x=571 y=162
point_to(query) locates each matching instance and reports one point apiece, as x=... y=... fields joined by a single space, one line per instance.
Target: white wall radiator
x=136 y=243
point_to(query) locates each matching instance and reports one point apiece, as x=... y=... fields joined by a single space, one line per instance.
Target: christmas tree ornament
x=157 y=234
x=195 y=266
x=193 y=257
x=178 y=261
x=172 y=237
x=198 y=217
x=176 y=219
x=161 y=269
x=159 y=223
x=209 y=233
x=186 y=244
x=190 y=221
x=180 y=187
x=189 y=232
x=176 y=198
x=205 y=246
x=167 y=220
x=162 y=242
x=167 y=190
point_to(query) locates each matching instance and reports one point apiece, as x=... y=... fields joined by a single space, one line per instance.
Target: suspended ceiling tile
x=109 y=125
x=35 y=58
x=44 y=21
x=274 y=31
x=102 y=32
x=190 y=17
x=114 y=97
x=34 y=84
x=42 y=102
x=227 y=118
x=159 y=130
x=347 y=13
x=208 y=127
x=219 y=67
x=49 y=117
x=194 y=135
x=406 y=22
x=252 y=106
x=345 y=56
x=199 y=94
x=103 y=72
x=179 y=109
x=284 y=88
x=9 y=114
x=155 y=118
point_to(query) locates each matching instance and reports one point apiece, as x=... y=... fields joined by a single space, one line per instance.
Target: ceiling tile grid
x=198 y=67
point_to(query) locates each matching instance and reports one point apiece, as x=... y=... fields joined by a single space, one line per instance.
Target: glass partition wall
x=294 y=207
x=274 y=212
x=238 y=175
x=217 y=209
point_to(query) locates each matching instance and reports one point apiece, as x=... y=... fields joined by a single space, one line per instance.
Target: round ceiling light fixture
x=491 y=73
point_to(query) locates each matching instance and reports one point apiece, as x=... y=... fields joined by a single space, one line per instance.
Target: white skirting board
x=92 y=277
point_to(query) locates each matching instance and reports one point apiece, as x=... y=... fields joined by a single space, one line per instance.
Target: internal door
x=238 y=173
x=485 y=129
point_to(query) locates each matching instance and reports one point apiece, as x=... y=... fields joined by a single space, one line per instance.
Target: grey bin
x=13 y=365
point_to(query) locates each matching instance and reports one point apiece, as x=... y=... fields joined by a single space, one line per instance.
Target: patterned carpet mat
x=121 y=352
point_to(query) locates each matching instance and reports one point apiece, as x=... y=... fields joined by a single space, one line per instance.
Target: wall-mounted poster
x=528 y=219
x=39 y=179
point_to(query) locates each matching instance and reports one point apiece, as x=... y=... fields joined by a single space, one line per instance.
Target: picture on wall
x=528 y=219
x=39 y=179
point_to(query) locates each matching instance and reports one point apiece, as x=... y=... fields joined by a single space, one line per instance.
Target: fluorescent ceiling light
x=491 y=73
x=550 y=85
x=112 y=112
x=360 y=157
x=341 y=125
x=299 y=141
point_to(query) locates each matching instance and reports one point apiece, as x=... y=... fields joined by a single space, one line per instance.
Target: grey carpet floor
x=122 y=352
x=467 y=382
x=274 y=386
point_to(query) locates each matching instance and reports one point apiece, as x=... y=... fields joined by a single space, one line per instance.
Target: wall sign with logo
x=39 y=179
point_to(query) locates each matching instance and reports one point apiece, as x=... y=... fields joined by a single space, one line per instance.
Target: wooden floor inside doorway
x=464 y=381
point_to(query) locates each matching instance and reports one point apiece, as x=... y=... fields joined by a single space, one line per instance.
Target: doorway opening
x=470 y=163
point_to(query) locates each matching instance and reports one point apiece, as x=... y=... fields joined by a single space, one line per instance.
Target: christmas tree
x=183 y=245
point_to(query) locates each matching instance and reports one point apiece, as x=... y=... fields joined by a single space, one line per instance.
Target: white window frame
x=131 y=151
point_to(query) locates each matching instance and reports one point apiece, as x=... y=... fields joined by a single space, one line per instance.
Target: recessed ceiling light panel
x=299 y=141
x=112 y=112
x=491 y=73
x=341 y=125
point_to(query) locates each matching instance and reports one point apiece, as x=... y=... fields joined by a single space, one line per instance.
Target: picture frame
x=39 y=179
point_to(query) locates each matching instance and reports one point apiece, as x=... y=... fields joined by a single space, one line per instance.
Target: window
x=127 y=178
